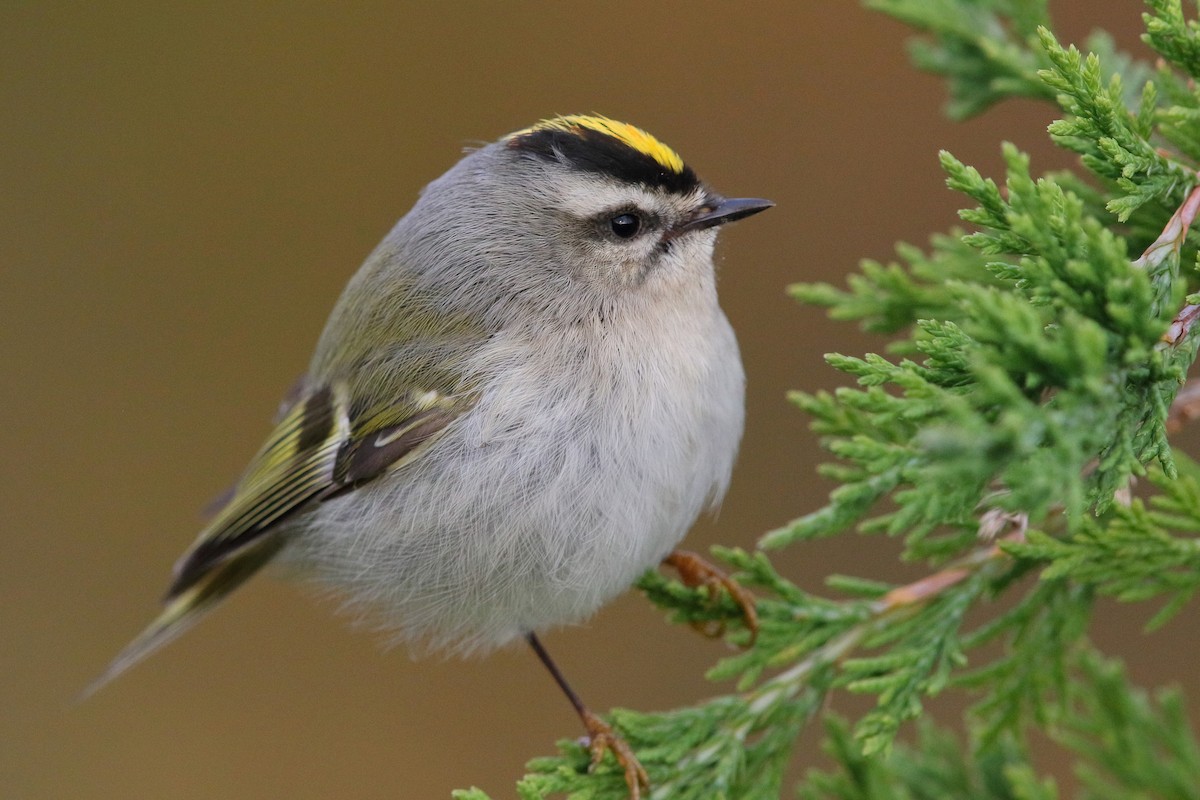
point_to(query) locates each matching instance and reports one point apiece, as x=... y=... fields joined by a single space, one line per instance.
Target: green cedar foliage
x=1027 y=386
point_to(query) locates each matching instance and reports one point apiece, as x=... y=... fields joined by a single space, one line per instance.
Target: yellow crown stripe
x=632 y=137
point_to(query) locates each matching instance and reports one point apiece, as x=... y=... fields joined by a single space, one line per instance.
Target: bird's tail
x=184 y=609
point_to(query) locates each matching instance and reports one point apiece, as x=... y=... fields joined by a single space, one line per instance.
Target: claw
x=696 y=572
x=601 y=739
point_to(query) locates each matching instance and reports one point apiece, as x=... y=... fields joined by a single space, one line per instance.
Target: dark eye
x=626 y=226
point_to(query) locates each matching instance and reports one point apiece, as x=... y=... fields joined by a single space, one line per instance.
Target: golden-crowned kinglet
x=520 y=403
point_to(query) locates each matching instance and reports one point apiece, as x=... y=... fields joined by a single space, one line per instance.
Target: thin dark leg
x=536 y=644
x=603 y=737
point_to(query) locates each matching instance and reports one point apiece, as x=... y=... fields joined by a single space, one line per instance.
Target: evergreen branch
x=1174 y=38
x=1136 y=552
x=984 y=50
x=718 y=749
x=1129 y=746
x=738 y=745
x=935 y=767
x=1112 y=139
x=1033 y=374
x=1077 y=308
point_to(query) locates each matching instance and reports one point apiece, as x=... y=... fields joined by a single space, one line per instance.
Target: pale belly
x=518 y=520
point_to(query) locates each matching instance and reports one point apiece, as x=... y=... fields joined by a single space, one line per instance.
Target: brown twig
x=1171 y=239
x=1169 y=243
x=927 y=588
x=1182 y=325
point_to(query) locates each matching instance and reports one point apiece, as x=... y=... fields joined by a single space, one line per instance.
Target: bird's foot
x=696 y=572
x=601 y=739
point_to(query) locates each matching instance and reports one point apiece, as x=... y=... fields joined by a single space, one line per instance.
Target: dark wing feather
x=315 y=452
x=293 y=467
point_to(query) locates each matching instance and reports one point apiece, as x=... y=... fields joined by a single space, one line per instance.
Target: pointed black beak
x=720 y=210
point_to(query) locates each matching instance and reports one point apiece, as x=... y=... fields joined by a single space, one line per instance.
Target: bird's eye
x=626 y=226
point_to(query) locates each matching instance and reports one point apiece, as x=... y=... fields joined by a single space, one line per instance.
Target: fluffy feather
x=512 y=412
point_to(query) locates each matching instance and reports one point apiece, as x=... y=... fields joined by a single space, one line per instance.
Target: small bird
x=521 y=402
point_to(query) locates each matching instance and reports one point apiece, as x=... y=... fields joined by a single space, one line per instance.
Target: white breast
x=584 y=463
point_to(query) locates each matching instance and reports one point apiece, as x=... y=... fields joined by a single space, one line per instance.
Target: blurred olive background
x=183 y=194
